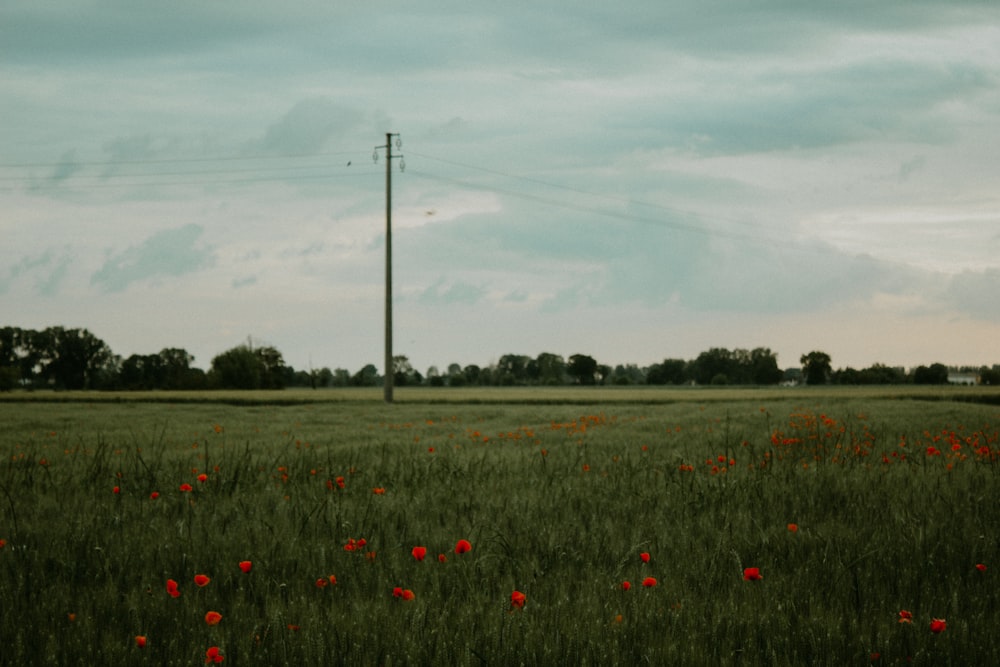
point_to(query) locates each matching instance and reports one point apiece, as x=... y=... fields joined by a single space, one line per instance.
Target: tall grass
x=894 y=504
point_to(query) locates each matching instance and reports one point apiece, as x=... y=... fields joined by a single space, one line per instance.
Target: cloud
x=48 y=270
x=308 y=127
x=171 y=252
x=443 y=293
x=974 y=293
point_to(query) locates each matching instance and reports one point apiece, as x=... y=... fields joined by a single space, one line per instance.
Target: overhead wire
x=680 y=219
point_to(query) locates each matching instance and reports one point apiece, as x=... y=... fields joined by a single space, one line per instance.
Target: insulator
x=375 y=156
x=399 y=141
x=402 y=164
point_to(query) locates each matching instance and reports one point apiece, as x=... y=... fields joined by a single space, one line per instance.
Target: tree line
x=74 y=359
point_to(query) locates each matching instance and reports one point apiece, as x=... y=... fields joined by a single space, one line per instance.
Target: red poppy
x=979 y=566
x=3 y=543
x=186 y=487
x=246 y=566
x=649 y=582
x=905 y=616
x=938 y=625
x=379 y=491
x=626 y=585
x=517 y=599
x=140 y=641
x=202 y=477
x=462 y=546
x=116 y=490
x=173 y=589
x=442 y=558
x=752 y=574
x=322 y=582
x=213 y=655
x=397 y=592
x=408 y=595
x=213 y=617
x=793 y=528
x=644 y=556
x=154 y=495
x=419 y=552
x=201 y=580
x=340 y=482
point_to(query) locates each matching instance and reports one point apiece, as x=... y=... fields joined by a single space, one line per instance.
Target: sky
x=633 y=181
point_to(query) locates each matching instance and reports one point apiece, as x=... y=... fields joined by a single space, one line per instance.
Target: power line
x=229 y=158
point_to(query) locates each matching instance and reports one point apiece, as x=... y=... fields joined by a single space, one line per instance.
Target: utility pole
x=389 y=369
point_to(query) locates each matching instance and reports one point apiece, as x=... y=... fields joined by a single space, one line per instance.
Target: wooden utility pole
x=389 y=365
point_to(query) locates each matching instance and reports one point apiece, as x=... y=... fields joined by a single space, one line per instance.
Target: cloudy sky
x=634 y=181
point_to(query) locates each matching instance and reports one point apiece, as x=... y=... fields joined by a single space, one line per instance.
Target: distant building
x=961 y=377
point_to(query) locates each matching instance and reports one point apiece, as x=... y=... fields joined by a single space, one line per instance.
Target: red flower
x=140 y=641
x=213 y=617
x=340 y=482
x=408 y=595
x=938 y=625
x=173 y=589
x=201 y=580
x=626 y=585
x=154 y=495
x=3 y=543
x=979 y=566
x=379 y=491
x=419 y=552
x=397 y=592
x=202 y=477
x=213 y=655
x=322 y=582
x=649 y=582
x=246 y=566
x=517 y=599
x=752 y=574
x=442 y=558
x=793 y=528
x=644 y=556
x=462 y=546
x=905 y=616
x=186 y=487
x=116 y=490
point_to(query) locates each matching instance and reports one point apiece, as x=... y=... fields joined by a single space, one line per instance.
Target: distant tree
x=551 y=369
x=403 y=372
x=237 y=368
x=627 y=374
x=341 y=378
x=583 y=369
x=933 y=374
x=434 y=377
x=764 y=367
x=670 y=371
x=990 y=376
x=175 y=365
x=472 y=373
x=246 y=367
x=73 y=358
x=367 y=376
x=512 y=369
x=816 y=367
x=713 y=365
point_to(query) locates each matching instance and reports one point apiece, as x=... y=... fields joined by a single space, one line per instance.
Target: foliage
x=933 y=374
x=750 y=534
x=583 y=369
x=246 y=367
x=816 y=367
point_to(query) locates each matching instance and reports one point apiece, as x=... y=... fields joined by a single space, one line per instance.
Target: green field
x=854 y=507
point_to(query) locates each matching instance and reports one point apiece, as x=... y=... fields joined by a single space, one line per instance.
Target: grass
x=894 y=503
